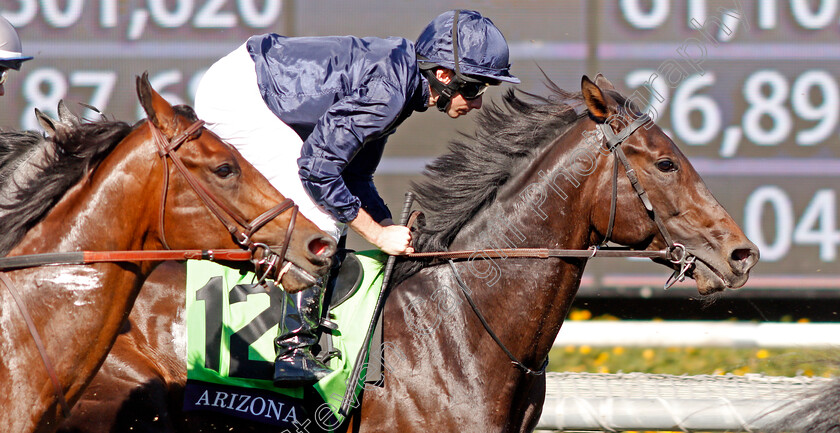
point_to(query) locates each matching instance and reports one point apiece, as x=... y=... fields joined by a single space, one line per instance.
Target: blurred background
x=749 y=90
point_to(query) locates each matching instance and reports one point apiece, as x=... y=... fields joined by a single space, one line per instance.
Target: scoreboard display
x=750 y=91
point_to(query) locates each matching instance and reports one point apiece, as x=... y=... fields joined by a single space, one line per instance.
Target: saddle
x=345 y=279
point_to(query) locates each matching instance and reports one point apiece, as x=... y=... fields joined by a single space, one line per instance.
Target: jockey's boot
x=295 y=365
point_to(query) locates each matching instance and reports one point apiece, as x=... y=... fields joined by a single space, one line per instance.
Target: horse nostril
x=322 y=247
x=741 y=254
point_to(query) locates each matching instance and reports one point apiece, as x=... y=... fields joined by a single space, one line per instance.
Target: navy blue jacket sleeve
x=351 y=123
x=358 y=176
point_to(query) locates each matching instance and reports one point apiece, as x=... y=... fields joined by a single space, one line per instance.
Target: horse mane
x=457 y=185
x=15 y=147
x=186 y=111
x=76 y=150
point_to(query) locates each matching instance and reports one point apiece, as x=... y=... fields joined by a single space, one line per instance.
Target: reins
x=231 y=220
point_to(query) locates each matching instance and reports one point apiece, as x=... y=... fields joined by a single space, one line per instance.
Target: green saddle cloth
x=231 y=327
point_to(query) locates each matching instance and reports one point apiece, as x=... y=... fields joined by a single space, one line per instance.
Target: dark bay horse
x=100 y=186
x=528 y=179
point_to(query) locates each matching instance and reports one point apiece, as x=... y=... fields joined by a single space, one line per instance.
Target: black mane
x=15 y=147
x=77 y=150
x=460 y=183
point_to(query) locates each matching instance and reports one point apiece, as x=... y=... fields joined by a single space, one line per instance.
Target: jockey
x=313 y=115
x=11 y=52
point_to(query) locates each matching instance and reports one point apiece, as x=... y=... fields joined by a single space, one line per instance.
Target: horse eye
x=666 y=165
x=224 y=171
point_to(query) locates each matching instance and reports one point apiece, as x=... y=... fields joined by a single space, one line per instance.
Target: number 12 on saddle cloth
x=231 y=327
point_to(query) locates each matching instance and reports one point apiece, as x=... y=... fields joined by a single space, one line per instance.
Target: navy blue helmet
x=467 y=43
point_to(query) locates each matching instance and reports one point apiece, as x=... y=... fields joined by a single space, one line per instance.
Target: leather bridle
x=273 y=264
x=233 y=221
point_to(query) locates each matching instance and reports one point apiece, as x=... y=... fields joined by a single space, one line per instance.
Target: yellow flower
x=602 y=358
x=762 y=354
x=570 y=349
x=585 y=350
x=808 y=372
x=618 y=350
x=648 y=354
x=603 y=369
x=741 y=371
x=580 y=315
x=803 y=320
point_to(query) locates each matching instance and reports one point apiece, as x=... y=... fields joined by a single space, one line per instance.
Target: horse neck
x=104 y=210
x=537 y=208
x=525 y=300
x=84 y=304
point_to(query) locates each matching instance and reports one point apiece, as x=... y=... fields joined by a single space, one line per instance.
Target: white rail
x=698 y=334
x=637 y=401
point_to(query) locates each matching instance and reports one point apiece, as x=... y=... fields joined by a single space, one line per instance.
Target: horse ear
x=46 y=122
x=603 y=82
x=157 y=109
x=596 y=100
x=64 y=113
x=67 y=116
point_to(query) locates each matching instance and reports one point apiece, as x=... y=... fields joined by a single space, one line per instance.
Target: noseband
x=233 y=221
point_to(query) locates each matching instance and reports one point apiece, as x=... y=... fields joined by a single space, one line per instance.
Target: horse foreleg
x=531 y=408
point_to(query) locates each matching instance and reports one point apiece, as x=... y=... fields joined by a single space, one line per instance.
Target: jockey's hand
x=394 y=240
x=391 y=239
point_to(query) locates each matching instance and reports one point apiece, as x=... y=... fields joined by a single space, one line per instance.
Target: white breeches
x=229 y=100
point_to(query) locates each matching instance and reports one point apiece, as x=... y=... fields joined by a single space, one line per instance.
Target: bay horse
x=107 y=186
x=527 y=179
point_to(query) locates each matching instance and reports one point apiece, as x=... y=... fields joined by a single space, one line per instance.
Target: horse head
x=678 y=207
x=235 y=194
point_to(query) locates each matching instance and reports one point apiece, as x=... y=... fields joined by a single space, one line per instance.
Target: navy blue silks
x=344 y=96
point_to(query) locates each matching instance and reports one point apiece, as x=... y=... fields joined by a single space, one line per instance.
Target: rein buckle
x=685 y=260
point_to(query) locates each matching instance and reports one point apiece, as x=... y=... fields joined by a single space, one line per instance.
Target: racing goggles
x=472 y=90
